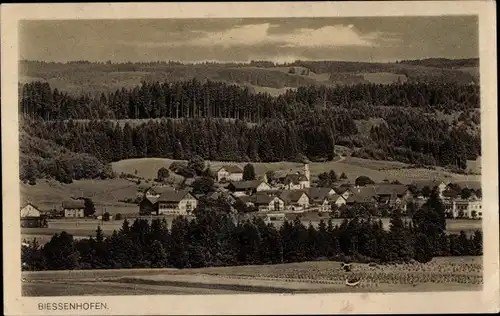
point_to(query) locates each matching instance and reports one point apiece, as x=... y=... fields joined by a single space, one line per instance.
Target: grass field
x=441 y=274
x=384 y=77
x=353 y=167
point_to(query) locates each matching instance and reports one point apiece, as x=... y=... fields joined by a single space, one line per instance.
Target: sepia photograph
x=188 y=156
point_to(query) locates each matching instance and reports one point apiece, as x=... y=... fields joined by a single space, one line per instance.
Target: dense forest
x=225 y=122
x=192 y=99
x=213 y=238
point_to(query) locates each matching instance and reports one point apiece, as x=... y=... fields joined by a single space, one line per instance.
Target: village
x=284 y=195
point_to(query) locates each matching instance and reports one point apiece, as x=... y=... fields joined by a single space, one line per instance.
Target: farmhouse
x=73 y=208
x=229 y=173
x=31 y=216
x=267 y=203
x=176 y=202
x=148 y=205
x=247 y=187
x=464 y=208
x=295 y=200
x=337 y=200
x=392 y=194
x=30 y=210
x=431 y=184
x=344 y=191
x=363 y=195
x=320 y=197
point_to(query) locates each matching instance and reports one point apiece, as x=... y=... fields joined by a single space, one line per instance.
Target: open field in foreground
x=441 y=274
x=87 y=227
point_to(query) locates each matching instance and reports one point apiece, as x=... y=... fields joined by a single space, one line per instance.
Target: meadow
x=441 y=274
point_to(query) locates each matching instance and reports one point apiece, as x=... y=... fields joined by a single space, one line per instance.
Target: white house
x=74 y=208
x=296 y=200
x=229 y=173
x=267 y=203
x=240 y=188
x=29 y=210
x=337 y=200
x=176 y=202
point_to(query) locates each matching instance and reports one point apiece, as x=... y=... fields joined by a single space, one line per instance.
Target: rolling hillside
x=93 y=78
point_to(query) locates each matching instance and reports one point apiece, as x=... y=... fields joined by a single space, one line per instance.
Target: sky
x=242 y=40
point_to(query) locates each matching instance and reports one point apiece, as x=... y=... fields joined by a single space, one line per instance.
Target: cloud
x=259 y=34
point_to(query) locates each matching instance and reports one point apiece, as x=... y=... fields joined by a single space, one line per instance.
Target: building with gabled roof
x=248 y=187
x=229 y=173
x=73 y=208
x=295 y=200
x=30 y=210
x=178 y=202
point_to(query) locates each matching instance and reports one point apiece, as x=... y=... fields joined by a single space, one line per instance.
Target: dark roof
x=29 y=203
x=362 y=195
x=73 y=204
x=231 y=169
x=151 y=199
x=450 y=193
x=173 y=195
x=420 y=184
x=294 y=178
x=473 y=185
x=318 y=193
x=292 y=196
x=390 y=189
x=261 y=199
x=342 y=189
x=245 y=185
x=334 y=197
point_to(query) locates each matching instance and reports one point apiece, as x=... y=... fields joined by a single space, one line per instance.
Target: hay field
x=441 y=274
x=353 y=167
x=384 y=77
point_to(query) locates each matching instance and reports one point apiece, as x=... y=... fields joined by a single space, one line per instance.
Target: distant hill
x=96 y=78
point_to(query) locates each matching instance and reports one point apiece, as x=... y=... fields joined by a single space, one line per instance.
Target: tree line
x=195 y=98
x=214 y=238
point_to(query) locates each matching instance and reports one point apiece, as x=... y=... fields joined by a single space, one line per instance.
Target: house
x=229 y=173
x=267 y=203
x=148 y=205
x=393 y=194
x=298 y=181
x=431 y=184
x=466 y=208
x=247 y=187
x=295 y=200
x=151 y=192
x=31 y=216
x=363 y=195
x=178 y=202
x=320 y=197
x=73 y=208
x=337 y=200
x=30 y=210
x=345 y=191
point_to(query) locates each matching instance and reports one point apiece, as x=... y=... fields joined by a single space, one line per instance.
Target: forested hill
x=420 y=123
x=258 y=76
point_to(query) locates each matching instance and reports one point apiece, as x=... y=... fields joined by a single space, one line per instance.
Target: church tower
x=307 y=173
